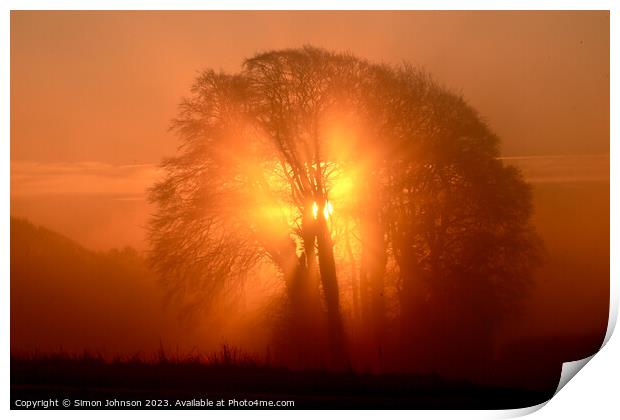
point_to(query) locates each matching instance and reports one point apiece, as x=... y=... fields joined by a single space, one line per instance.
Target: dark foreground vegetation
x=229 y=375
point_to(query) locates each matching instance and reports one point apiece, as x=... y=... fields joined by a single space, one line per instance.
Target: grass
x=231 y=373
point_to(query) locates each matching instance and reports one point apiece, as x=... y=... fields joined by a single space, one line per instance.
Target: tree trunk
x=299 y=344
x=329 y=282
x=372 y=272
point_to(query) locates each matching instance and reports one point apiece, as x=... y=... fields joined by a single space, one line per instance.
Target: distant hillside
x=65 y=297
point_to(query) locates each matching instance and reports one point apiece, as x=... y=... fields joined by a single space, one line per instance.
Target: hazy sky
x=92 y=95
x=103 y=86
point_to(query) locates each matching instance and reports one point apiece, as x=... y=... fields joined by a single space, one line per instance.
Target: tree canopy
x=377 y=197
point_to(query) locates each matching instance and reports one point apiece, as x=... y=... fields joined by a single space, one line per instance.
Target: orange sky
x=102 y=86
x=92 y=95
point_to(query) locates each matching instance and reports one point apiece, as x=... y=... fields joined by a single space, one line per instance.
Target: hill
x=63 y=296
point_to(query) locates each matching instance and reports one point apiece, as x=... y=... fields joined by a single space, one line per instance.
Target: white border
x=594 y=392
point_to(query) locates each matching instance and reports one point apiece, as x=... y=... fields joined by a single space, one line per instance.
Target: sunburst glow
x=328 y=210
x=315 y=210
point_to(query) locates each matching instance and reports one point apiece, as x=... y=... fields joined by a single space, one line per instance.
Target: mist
x=337 y=208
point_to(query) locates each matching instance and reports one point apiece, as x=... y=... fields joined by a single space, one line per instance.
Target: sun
x=328 y=210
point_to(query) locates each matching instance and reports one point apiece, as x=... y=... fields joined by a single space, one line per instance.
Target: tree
x=250 y=142
x=458 y=222
x=307 y=162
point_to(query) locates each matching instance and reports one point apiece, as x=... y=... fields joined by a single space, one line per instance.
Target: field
x=189 y=381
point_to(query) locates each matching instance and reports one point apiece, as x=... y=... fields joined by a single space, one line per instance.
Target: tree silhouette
x=252 y=142
x=255 y=187
x=457 y=220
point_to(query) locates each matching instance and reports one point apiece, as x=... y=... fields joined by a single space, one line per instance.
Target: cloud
x=130 y=182
x=558 y=169
x=82 y=178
